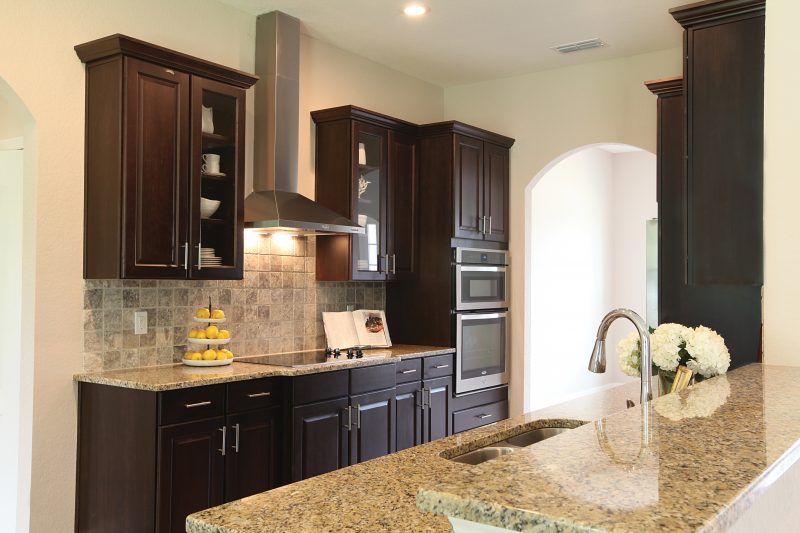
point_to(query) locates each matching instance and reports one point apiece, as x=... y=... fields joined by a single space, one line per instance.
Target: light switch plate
x=140 y=322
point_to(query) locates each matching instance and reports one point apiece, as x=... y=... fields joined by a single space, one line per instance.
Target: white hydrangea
x=629 y=354
x=665 y=345
x=709 y=355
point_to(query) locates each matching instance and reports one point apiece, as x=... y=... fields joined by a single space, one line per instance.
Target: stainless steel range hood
x=275 y=205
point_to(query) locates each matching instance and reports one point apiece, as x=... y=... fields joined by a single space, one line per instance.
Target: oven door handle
x=481 y=316
x=481 y=268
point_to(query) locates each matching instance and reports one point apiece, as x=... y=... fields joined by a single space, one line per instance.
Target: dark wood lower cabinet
x=436 y=423
x=190 y=472
x=373 y=429
x=252 y=458
x=408 y=407
x=320 y=438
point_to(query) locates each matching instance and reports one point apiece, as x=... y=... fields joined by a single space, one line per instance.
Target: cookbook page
x=371 y=328
x=340 y=330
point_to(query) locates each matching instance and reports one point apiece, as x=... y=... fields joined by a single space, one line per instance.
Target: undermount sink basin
x=481 y=455
x=533 y=436
x=509 y=445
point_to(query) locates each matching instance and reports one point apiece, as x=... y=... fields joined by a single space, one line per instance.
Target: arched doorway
x=17 y=281
x=586 y=218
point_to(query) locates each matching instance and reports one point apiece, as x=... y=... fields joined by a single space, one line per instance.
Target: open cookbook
x=362 y=328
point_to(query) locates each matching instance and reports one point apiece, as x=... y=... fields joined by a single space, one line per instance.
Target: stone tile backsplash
x=276 y=308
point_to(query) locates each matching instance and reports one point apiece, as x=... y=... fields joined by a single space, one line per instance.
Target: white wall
x=781 y=185
x=40 y=65
x=549 y=114
x=11 y=213
x=587 y=225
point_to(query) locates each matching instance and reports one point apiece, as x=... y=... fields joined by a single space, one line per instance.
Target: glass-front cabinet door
x=217 y=211
x=369 y=202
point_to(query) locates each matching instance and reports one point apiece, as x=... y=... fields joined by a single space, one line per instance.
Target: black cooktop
x=311 y=357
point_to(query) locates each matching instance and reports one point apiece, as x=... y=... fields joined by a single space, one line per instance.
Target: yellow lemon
x=195 y=356
x=200 y=334
x=228 y=354
x=221 y=355
x=224 y=334
x=209 y=355
x=212 y=332
x=192 y=333
x=202 y=313
x=218 y=313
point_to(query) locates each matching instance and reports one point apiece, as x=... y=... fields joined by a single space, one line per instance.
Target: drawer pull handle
x=410 y=371
x=483 y=416
x=259 y=394
x=198 y=404
x=440 y=366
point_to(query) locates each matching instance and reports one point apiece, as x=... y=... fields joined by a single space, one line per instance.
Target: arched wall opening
x=586 y=219
x=17 y=296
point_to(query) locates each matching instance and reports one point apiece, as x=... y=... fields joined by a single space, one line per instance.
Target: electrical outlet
x=140 y=322
x=351 y=307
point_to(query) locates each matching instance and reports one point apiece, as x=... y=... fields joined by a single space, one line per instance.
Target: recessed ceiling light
x=415 y=10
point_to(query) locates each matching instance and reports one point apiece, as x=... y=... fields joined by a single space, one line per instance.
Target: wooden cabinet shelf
x=144 y=157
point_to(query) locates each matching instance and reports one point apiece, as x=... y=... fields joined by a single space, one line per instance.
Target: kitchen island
x=705 y=456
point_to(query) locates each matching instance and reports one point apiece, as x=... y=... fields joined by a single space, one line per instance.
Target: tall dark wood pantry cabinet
x=153 y=117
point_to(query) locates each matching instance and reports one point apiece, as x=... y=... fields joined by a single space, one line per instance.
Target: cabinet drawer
x=372 y=378
x=409 y=370
x=479 y=416
x=437 y=365
x=317 y=387
x=196 y=403
x=254 y=394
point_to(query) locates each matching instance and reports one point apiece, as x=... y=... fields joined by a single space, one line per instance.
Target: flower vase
x=665 y=380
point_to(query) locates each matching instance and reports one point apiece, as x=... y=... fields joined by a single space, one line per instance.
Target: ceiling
x=465 y=41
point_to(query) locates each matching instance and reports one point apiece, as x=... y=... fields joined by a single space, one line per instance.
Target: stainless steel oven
x=481 y=279
x=482 y=354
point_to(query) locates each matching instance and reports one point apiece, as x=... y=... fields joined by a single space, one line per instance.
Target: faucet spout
x=597 y=362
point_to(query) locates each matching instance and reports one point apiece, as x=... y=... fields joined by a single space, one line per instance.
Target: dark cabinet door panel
x=190 y=472
x=373 y=434
x=725 y=153
x=252 y=455
x=439 y=396
x=495 y=192
x=408 y=406
x=319 y=438
x=156 y=176
x=468 y=188
x=401 y=223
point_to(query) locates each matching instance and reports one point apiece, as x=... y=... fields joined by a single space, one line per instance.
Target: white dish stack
x=209 y=257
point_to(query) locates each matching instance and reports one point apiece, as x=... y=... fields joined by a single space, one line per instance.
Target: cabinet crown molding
x=351 y=112
x=671 y=86
x=453 y=126
x=710 y=11
x=118 y=44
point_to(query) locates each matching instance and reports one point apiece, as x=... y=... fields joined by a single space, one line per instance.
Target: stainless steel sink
x=481 y=455
x=533 y=436
x=508 y=445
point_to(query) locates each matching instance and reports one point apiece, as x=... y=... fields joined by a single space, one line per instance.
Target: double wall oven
x=480 y=310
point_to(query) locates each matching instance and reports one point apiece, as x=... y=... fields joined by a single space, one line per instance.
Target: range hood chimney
x=275 y=205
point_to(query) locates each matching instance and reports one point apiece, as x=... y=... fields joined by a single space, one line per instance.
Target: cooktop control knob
x=359 y=353
x=350 y=353
x=336 y=353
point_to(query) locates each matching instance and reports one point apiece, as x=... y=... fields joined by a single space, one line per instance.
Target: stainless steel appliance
x=481 y=279
x=480 y=311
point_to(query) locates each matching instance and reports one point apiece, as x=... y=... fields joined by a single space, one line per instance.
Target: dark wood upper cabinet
x=724 y=74
x=468 y=189
x=366 y=170
x=144 y=182
x=495 y=192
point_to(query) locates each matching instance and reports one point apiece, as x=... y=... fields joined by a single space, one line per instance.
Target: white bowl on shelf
x=208 y=207
x=213 y=362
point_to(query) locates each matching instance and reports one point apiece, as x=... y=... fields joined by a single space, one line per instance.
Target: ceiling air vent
x=579 y=45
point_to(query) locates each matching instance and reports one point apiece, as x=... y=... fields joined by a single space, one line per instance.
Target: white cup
x=210 y=164
x=362 y=154
x=207 y=122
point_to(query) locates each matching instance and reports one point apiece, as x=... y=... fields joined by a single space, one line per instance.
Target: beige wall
x=549 y=114
x=40 y=65
x=10 y=125
x=781 y=185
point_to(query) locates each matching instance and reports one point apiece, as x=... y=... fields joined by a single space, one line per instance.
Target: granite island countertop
x=179 y=376
x=380 y=495
x=700 y=461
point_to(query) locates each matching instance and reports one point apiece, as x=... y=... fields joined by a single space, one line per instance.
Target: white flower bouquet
x=702 y=350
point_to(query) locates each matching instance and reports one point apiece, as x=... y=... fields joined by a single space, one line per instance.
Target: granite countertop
x=170 y=377
x=380 y=495
x=702 y=458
